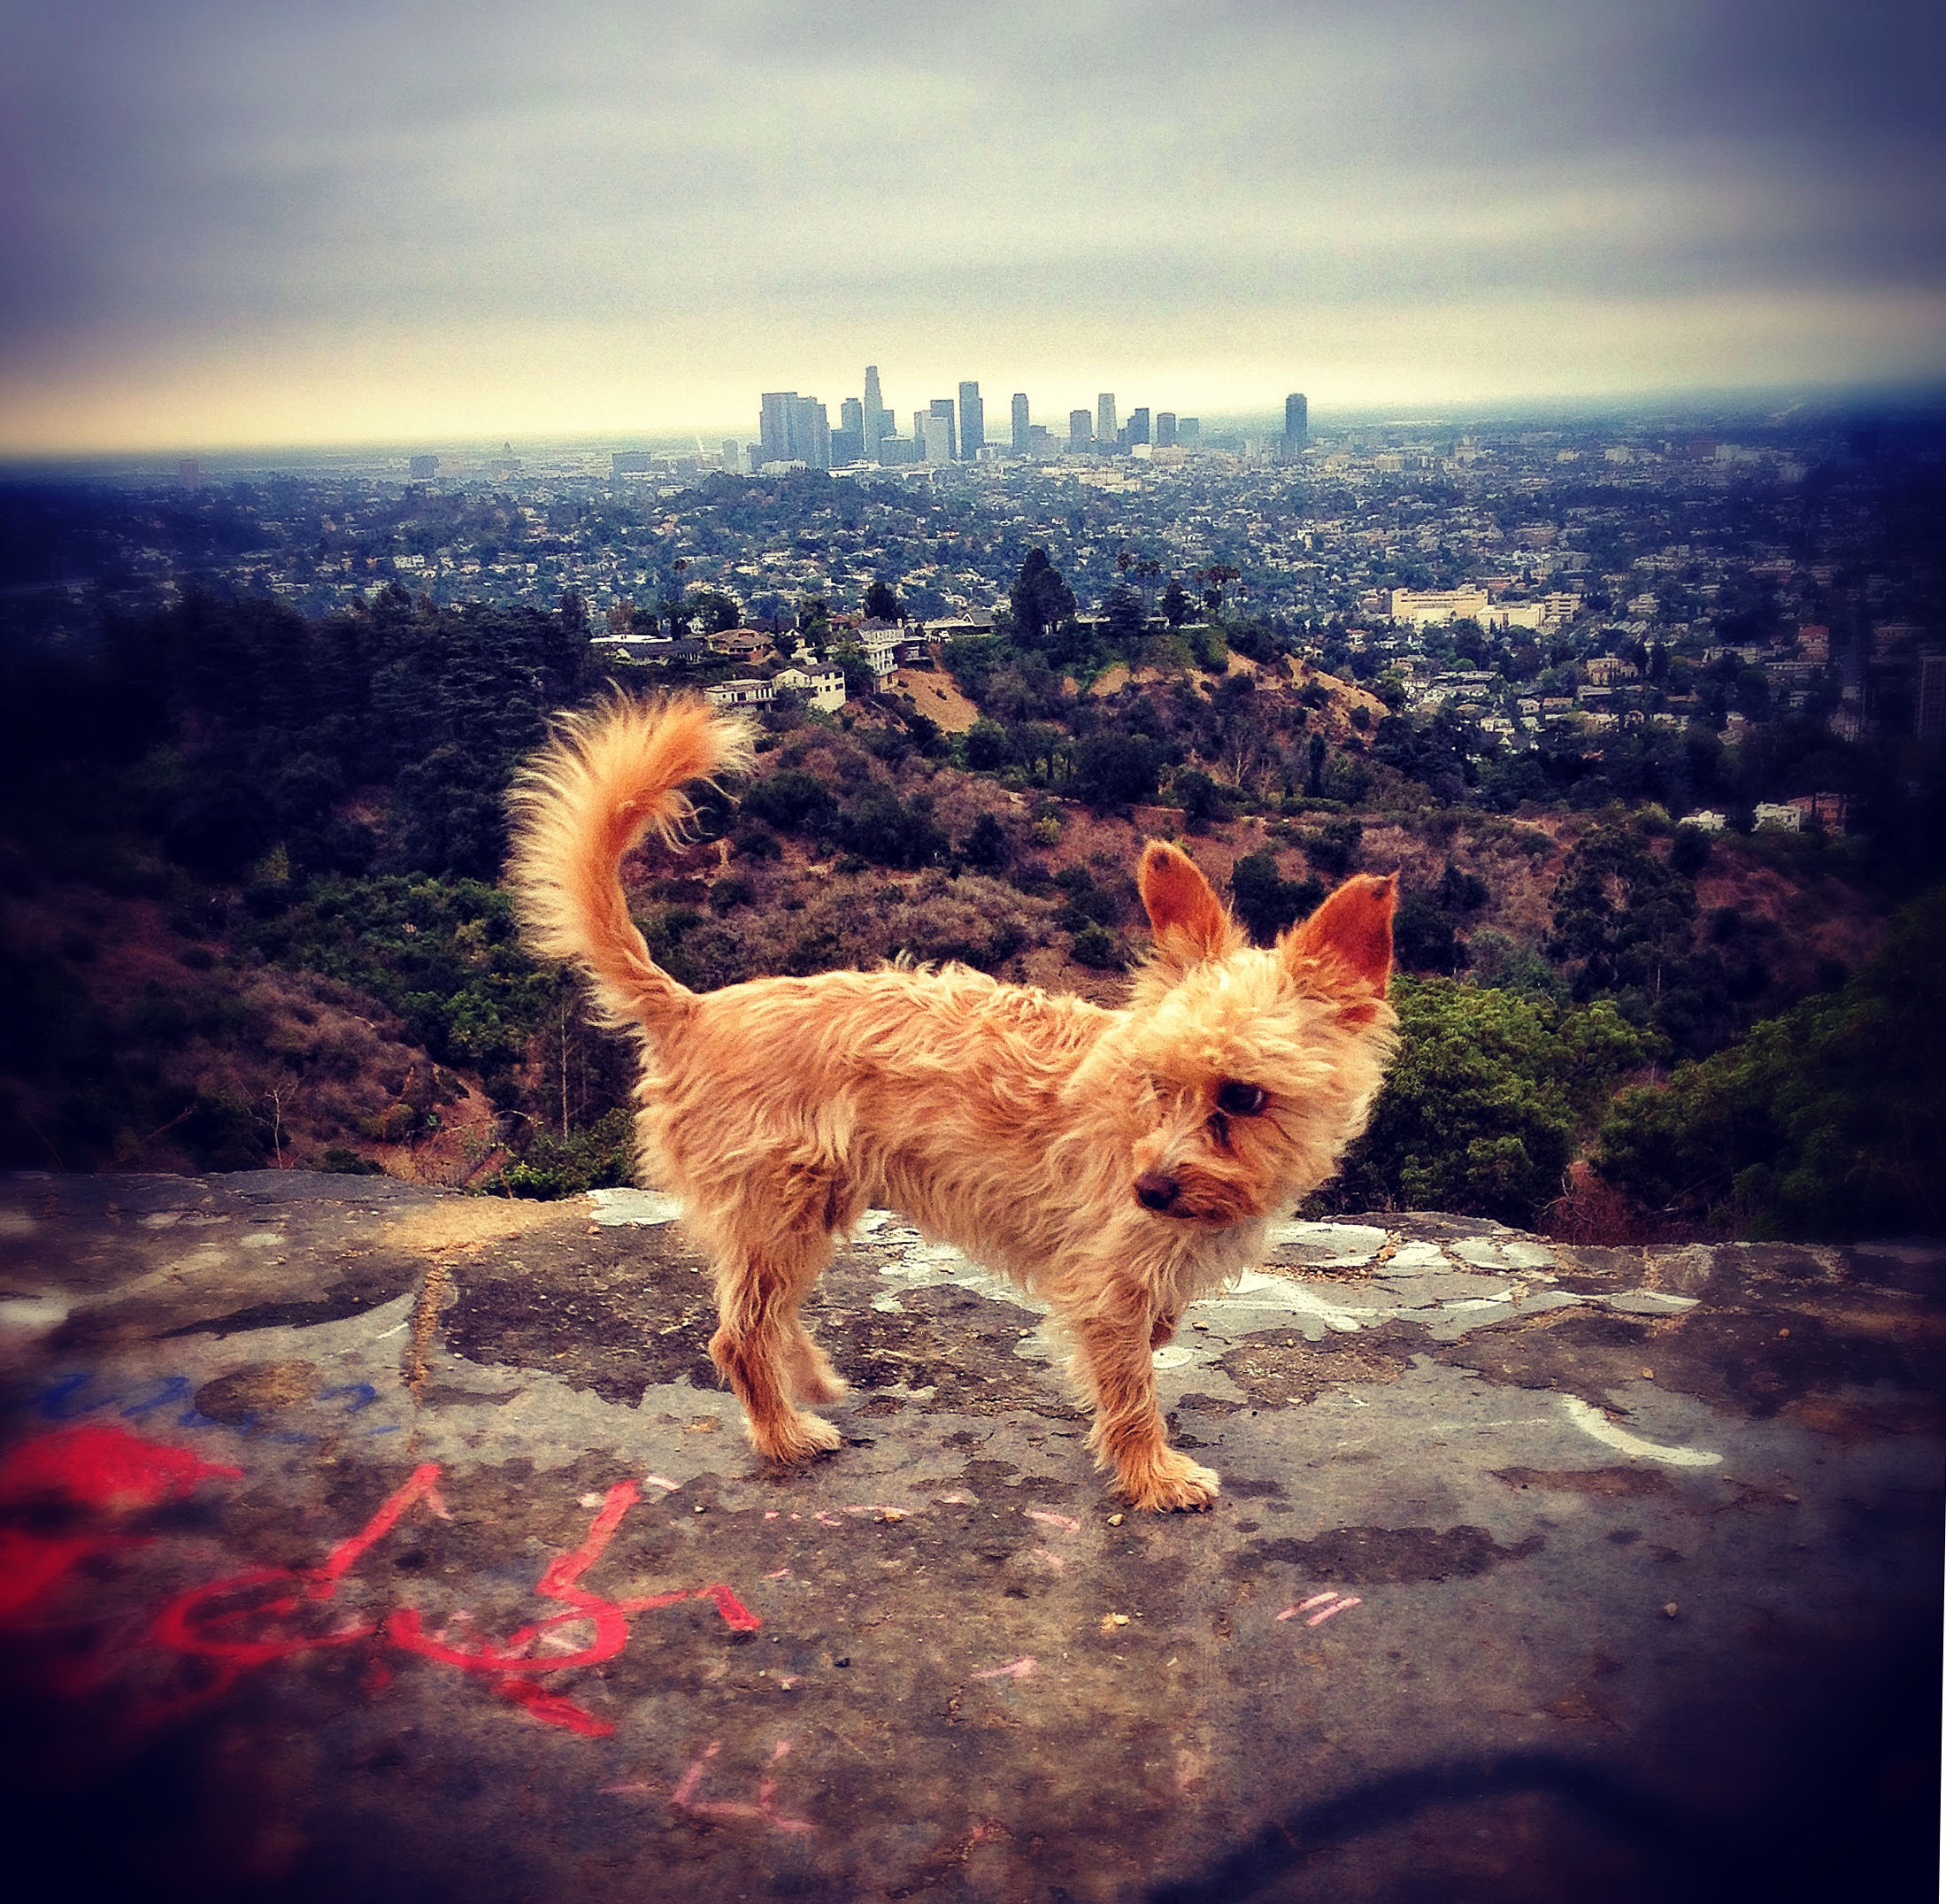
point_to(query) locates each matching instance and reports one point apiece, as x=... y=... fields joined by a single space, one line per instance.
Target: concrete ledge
x=368 y=1540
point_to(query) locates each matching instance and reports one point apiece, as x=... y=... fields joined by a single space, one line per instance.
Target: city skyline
x=277 y=225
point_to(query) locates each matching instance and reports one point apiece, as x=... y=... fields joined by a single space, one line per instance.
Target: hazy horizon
x=233 y=227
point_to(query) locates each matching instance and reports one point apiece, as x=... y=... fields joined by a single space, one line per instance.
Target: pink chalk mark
x=1019 y=1668
x=764 y=1811
x=1318 y=1618
x=1066 y=1522
x=783 y=1573
x=825 y=1520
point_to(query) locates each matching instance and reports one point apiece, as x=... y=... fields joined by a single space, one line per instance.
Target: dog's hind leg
x=764 y=1352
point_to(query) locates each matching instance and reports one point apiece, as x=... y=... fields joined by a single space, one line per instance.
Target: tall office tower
x=1138 y=425
x=1166 y=429
x=1188 y=430
x=972 y=422
x=1105 y=416
x=1022 y=427
x=1296 y=423
x=939 y=432
x=808 y=433
x=851 y=415
x=878 y=418
x=1081 y=430
x=773 y=427
x=732 y=461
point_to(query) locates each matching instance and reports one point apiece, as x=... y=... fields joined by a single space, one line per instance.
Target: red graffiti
x=107 y=1470
x=103 y=1471
x=262 y=1615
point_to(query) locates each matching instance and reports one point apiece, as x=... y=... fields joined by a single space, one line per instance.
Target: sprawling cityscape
x=1538 y=578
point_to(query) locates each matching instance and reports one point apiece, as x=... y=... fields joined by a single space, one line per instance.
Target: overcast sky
x=256 y=221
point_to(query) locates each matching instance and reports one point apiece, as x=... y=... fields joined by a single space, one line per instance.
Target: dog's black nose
x=1156 y=1191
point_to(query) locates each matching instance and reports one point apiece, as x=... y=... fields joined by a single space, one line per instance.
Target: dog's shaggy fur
x=1120 y=1163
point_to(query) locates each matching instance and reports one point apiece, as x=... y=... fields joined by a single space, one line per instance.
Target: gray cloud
x=176 y=175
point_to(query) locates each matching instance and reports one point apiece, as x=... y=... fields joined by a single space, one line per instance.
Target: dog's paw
x=821 y=1384
x=801 y=1438
x=1175 y=1483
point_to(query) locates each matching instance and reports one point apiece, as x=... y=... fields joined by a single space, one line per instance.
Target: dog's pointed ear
x=1188 y=919
x=1344 y=949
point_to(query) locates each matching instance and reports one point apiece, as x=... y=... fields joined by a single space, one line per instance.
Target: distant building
x=773 y=426
x=1023 y=429
x=1080 y=429
x=1166 y=429
x=878 y=418
x=423 y=468
x=1105 y=417
x=1706 y=821
x=1189 y=431
x=851 y=415
x=747 y=691
x=941 y=420
x=189 y=474
x=822 y=687
x=1138 y=425
x=630 y=462
x=1425 y=606
x=1296 y=423
x=1778 y=816
x=811 y=433
x=972 y=422
x=732 y=458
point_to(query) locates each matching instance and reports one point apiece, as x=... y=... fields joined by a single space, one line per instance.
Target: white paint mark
x=1254 y=1289
x=637 y=1206
x=261 y=1239
x=1593 y=1421
x=1347 y=1242
x=1409 y=1257
x=35 y=1312
x=1174 y=1356
x=662 y=1481
x=1650 y=1302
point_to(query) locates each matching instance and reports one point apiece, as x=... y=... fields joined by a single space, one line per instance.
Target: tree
x=716 y=611
x=882 y=604
x=1266 y=902
x=987 y=746
x=1176 y=604
x=1116 y=769
x=1826 y=1122
x=1481 y=1111
x=1124 y=618
x=987 y=850
x=1042 y=600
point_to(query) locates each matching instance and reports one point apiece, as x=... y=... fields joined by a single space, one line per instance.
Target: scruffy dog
x=1120 y=1163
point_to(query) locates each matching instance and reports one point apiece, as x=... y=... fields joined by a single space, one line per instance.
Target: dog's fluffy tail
x=607 y=775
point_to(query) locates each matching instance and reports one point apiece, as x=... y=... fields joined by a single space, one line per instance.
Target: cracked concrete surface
x=360 y=1539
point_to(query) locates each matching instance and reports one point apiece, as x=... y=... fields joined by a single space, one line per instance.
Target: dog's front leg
x=1114 y=1357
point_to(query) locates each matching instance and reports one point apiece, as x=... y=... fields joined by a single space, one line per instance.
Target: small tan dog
x=1120 y=1163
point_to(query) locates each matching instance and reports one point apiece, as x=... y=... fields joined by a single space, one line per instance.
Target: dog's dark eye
x=1240 y=1100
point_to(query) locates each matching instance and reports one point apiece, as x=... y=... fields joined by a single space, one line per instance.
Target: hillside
x=253 y=921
